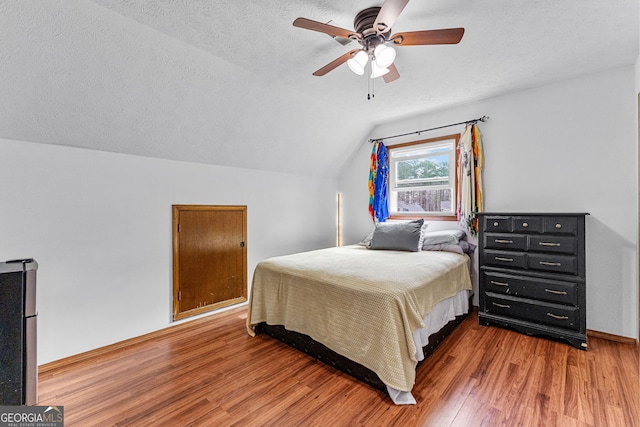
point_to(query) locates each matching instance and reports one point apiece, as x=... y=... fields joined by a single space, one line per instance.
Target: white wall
x=566 y=147
x=637 y=114
x=99 y=225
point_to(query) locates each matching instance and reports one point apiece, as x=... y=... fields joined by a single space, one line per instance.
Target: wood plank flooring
x=215 y=374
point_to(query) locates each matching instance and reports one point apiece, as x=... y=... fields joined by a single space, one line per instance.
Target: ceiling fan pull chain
x=373 y=87
x=370 y=87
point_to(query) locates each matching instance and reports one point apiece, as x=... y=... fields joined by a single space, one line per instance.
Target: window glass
x=422 y=178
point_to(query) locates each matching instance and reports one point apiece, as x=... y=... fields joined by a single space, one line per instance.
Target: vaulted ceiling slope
x=230 y=82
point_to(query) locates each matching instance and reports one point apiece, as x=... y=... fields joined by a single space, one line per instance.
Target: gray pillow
x=444 y=247
x=467 y=247
x=443 y=236
x=367 y=240
x=463 y=247
x=397 y=236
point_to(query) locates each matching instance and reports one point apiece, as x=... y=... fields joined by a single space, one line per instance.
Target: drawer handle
x=551 y=264
x=502 y=305
x=495 y=224
x=525 y=224
x=549 y=244
x=557 y=317
x=551 y=291
x=503 y=241
x=499 y=258
x=558 y=225
x=493 y=282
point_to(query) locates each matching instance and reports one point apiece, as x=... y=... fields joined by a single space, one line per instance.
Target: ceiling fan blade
x=309 y=24
x=335 y=63
x=427 y=37
x=388 y=14
x=392 y=74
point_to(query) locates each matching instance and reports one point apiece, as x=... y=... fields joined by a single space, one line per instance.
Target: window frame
x=418 y=215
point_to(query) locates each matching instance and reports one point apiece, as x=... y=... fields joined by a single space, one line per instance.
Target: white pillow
x=423 y=230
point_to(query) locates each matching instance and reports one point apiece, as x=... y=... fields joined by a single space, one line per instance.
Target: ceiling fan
x=372 y=28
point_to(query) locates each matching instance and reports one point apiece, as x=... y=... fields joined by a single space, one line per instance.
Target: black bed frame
x=319 y=351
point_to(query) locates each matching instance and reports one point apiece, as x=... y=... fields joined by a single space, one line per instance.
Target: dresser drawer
x=553 y=263
x=527 y=224
x=497 y=224
x=531 y=287
x=512 y=242
x=561 y=225
x=557 y=244
x=536 y=311
x=505 y=259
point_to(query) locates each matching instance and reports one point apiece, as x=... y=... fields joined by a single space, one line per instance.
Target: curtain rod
x=479 y=119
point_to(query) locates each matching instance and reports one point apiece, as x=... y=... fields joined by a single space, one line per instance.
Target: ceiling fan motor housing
x=363 y=24
x=364 y=20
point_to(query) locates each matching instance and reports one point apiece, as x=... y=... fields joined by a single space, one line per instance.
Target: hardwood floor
x=214 y=374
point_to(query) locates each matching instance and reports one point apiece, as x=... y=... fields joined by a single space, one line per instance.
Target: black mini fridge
x=18 y=329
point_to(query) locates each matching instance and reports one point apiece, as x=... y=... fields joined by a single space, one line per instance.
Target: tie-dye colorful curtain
x=471 y=163
x=378 y=182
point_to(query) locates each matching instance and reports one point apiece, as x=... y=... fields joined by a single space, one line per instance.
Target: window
x=422 y=178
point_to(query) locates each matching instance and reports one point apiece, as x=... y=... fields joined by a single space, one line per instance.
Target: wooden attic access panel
x=209 y=258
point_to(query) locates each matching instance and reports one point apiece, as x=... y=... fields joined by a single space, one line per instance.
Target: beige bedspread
x=361 y=303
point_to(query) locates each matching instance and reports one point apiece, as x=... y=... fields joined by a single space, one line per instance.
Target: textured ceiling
x=229 y=82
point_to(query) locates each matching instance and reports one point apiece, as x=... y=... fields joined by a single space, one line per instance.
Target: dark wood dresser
x=532 y=274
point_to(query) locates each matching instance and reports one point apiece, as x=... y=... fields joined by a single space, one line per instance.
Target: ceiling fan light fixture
x=385 y=55
x=377 y=70
x=358 y=62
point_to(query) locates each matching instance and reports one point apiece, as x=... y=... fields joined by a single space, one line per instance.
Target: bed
x=373 y=310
